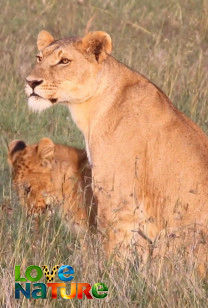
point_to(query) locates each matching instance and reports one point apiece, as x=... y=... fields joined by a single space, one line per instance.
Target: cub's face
x=31 y=169
x=67 y=70
x=40 y=171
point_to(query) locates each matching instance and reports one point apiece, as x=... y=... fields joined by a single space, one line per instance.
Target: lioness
x=47 y=174
x=149 y=161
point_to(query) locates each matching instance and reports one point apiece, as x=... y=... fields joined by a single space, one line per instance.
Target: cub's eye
x=64 y=61
x=27 y=188
x=39 y=58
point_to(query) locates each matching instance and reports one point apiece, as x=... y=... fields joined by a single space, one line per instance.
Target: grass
x=165 y=40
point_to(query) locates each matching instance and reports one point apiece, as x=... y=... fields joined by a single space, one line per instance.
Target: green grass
x=167 y=41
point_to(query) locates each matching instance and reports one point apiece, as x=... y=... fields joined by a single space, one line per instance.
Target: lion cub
x=47 y=174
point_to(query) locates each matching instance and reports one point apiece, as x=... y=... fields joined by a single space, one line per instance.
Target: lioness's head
x=67 y=70
x=44 y=173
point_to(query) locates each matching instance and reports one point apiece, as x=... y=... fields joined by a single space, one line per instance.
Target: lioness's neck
x=111 y=80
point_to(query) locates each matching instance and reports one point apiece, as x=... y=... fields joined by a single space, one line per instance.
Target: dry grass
x=165 y=40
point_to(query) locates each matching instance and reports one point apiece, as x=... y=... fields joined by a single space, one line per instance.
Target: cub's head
x=41 y=171
x=67 y=70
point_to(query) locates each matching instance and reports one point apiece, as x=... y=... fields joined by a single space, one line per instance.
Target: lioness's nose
x=34 y=83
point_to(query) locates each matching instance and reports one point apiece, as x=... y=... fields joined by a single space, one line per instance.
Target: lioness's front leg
x=118 y=226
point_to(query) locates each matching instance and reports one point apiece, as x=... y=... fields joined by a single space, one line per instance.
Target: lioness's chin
x=38 y=104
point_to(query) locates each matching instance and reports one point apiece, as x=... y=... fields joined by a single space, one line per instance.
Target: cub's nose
x=34 y=83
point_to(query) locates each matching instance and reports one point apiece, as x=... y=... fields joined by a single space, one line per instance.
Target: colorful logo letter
x=65 y=270
x=99 y=287
x=50 y=277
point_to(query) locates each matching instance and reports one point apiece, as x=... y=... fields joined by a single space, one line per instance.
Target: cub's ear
x=46 y=149
x=97 y=43
x=44 y=39
x=13 y=148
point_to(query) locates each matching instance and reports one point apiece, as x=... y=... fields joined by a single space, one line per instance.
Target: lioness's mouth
x=52 y=100
x=34 y=94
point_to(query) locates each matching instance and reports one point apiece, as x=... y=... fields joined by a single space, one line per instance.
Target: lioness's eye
x=39 y=58
x=64 y=61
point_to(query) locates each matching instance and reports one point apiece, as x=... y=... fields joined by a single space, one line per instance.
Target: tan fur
x=46 y=174
x=150 y=162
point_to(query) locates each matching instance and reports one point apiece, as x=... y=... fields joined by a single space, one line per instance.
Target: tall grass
x=167 y=41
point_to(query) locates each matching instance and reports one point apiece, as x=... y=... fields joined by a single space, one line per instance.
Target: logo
x=28 y=286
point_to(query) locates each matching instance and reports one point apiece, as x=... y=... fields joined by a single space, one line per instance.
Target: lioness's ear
x=44 y=39
x=97 y=43
x=46 y=149
x=13 y=148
